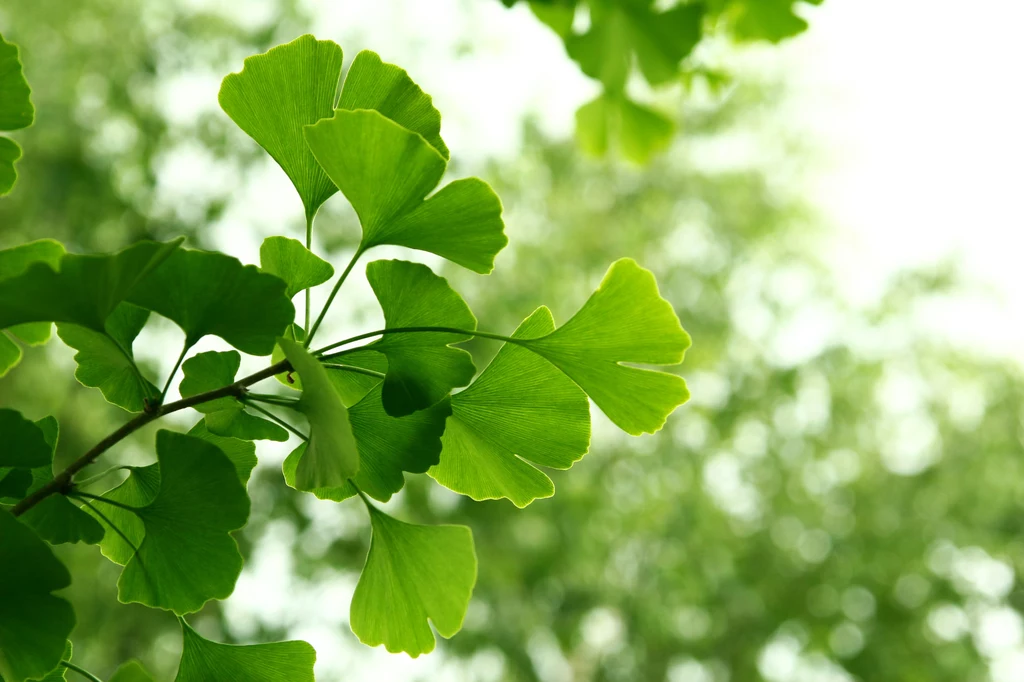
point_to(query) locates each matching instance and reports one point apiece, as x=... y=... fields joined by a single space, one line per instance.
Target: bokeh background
x=838 y=224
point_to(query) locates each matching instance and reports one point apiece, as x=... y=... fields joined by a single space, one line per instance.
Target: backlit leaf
x=24 y=444
x=206 y=661
x=188 y=556
x=211 y=293
x=386 y=172
x=519 y=410
x=289 y=260
x=16 y=111
x=412 y=573
x=242 y=453
x=10 y=354
x=625 y=321
x=639 y=131
x=131 y=671
x=138 y=490
x=34 y=624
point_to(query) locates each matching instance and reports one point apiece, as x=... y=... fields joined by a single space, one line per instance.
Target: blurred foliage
x=839 y=501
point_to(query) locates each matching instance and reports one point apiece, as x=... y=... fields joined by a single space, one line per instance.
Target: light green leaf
x=16 y=260
x=107 y=361
x=422 y=367
x=24 y=444
x=237 y=423
x=188 y=556
x=138 y=490
x=332 y=456
x=279 y=92
x=289 y=260
x=374 y=84
x=34 y=624
x=386 y=172
x=352 y=386
x=387 y=446
x=289 y=379
x=206 y=661
x=639 y=131
x=412 y=573
x=131 y=671
x=771 y=20
x=242 y=453
x=33 y=333
x=16 y=111
x=10 y=354
x=519 y=410
x=85 y=290
x=625 y=320
x=211 y=293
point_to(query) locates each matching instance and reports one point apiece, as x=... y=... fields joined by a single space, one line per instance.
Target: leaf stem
x=310 y=333
x=309 y=247
x=277 y=419
x=415 y=330
x=81 y=671
x=113 y=526
x=272 y=399
x=170 y=377
x=112 y=503
x=353 y=368
x=97 y=477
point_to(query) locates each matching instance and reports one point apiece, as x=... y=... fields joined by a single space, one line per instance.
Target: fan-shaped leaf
x=131 y=671
x=242 y=453
x=24 y=444
x=10 y=354
x=206 y=661
x=289 y=260
x=519 y=410
x=412 y=573
x=640 y=131
x=16 y=111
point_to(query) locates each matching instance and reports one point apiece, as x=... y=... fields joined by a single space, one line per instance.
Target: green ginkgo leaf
x=24 y=444
x=388 y=446
x=289 y=260
x=771 y=20
x=353 y=385
x=206 y=661
x=332 y=456
x=14 y=483
x=412 y=573
x=519 y=410
x=10 y=354
x=84 y=290
x=34 y=624
x=422 y=367
x=241 y=452
x=138 y=490
x=625 y=321
x=107 y=361
x=16 y=260
x=211 y=293
x=16 y=111
x=58 y=674
x=386 y=172
x=131 y=671
x=375 y=84
x=639 y=131
x=188 y=556
x=275 y=95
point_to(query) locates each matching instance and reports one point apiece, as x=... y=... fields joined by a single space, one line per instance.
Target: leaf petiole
x=353 y=368
x=275 y=418
x=100 y=498
x=415 y=330
x=174 y=370
x=330 y=299
x=272 y=399
x=81 y=671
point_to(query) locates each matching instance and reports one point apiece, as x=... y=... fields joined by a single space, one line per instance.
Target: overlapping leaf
x=188 y=556
x=211 y=293
x=292 y=262
x=206 y=661
x=131 y=671
x=24 y=444
x=34 y=624
x=16 y=111
x=107 y=361
x=412 y=574
x=422 y=367
x=625 y=321
x=331 y=457
x=639 y=131
x=13 y=262
x=771 y=20
x=519 y=410
x=386 y=172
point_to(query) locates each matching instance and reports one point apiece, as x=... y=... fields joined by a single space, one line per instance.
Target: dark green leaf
x=34 y=624
x=519 y=410
x=24 y=444
x=59 y=674
x=16 y=111
x=211 y=293
x=412 y=573
x=352 y=386
x=237 y=423
x=242 y=453
x=206 y=661
x=131 y=671
x=292 y=262
x=386 y=172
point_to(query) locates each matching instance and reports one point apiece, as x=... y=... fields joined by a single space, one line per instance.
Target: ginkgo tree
x=366 y=410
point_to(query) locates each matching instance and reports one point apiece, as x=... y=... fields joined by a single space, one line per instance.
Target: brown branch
x=61 y=483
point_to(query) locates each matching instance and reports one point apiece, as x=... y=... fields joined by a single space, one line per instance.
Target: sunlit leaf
x=242 y=453
x=275 y=95
x=519 y=410
x=34 y=624
x=625 y=321
x=16 y=111
x=771 y=20
x=352 y=386
x=639 y=131
x=386 y=172
x=292 y=262
x=188 y=556
x=332 y=456
x=138 y=490
x=422 y=367
x=206 y=661
x=412 y=573
x=10 y=354
x=107 y=361
x=131 y=671
x=211 y=293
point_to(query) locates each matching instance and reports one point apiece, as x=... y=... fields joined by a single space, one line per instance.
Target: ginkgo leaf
x=107 y=361
x=289 y=260
x=16 y=111
x=24 y=444
x=85 y=290
x=242 y=453
x=188 y=556
x=211 y=293
x=34 y=624
x=131 y=671
x=10 y=354
x=353 y=385
x=639 y=131
x=386 y=172
x=332 y=456
x=388 y=446
x=59 y=674
x=206 y=661
x=375 y=84
x=138 y=490
x=33 y=333
x=519 y=410
x=275 y=95
x=16 y=260
x=237 y=423
x=422 y=367
x=771 y=20
x=412 y=573
x=625 y=320
x=14 y=483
